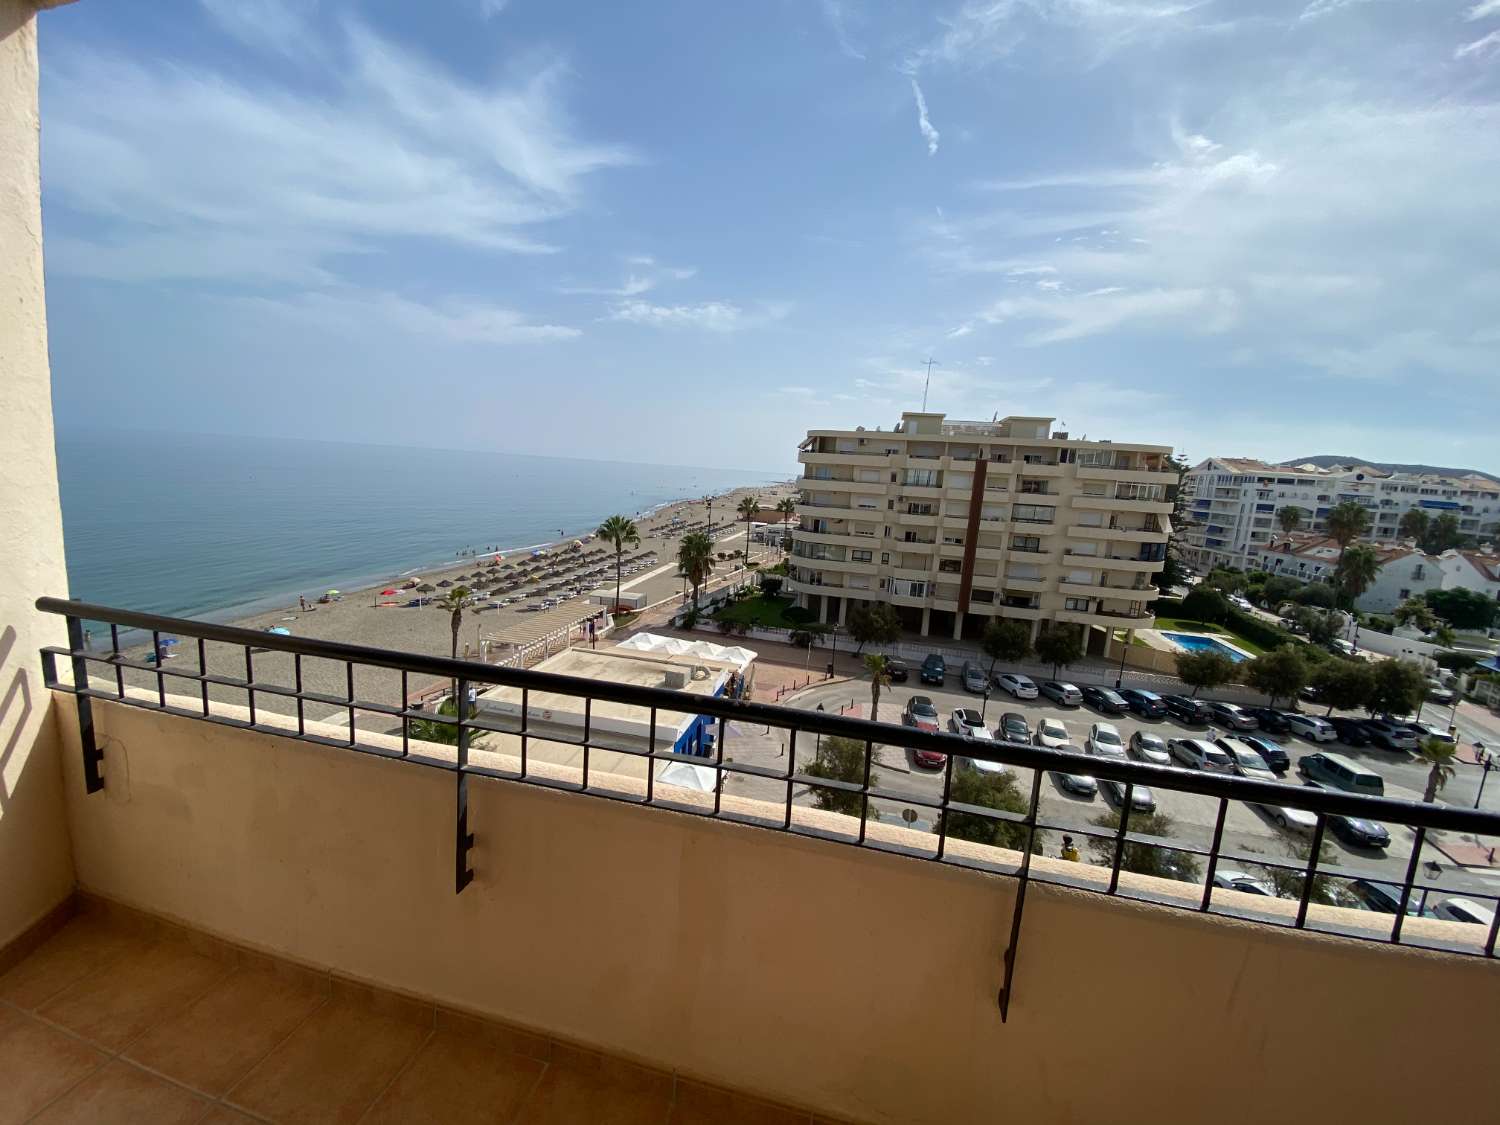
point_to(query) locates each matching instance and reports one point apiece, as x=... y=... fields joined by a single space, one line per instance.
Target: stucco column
x=843 y=609
x=926 y=619
x=823 y=609
x=958 y=626
x=36 y=861
x=1036 y=629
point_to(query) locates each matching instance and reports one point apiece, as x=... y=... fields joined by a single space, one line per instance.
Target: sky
x=686 y=233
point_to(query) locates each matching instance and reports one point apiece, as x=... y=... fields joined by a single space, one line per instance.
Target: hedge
x=1252 y=628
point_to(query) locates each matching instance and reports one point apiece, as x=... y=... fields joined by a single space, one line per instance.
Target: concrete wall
x=857 y=983
x=35 y=863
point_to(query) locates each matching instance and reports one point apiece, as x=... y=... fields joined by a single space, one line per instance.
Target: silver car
x=1104 y=742
x=1150 y=748
x=1079 y=784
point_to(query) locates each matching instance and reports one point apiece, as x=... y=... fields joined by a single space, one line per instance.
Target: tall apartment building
x=953 y=523
x=1232 y=504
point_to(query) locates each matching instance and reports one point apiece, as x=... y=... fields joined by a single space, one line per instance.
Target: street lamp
x=709 y=500
x=833 y=652
x=1484 y=776
x=984 y=706
x=1120 y=672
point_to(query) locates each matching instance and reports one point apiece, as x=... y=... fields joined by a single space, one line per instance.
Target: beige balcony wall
x=857 y=983
x=36 y=869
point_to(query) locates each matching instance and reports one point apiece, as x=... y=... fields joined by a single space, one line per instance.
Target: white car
x=1239 y=881
x=1311 y=727
x=966 y=721
x=1288 y=819
x=1464 y=910
x=1244 y=760
x=1200 y=754
x=1240 y=602
x=1104 y=739
x=1021 y=687
x=1052 y=734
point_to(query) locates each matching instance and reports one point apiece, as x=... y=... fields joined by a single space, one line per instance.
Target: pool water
x=1194 y=643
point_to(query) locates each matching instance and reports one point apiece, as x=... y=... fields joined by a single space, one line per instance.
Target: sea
x=220 y=527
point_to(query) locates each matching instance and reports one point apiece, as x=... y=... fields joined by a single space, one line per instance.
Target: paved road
x=1248 y=832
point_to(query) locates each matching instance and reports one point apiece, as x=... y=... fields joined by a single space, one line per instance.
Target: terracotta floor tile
x=122 y=1093
x=457 y=1082
x=565 y=1096
x=707 y=1105
x=332 y=1068
x=215 y=1041
x=37 y=1063
x=223 y=1115
x=117 y=1002
x=85 y=944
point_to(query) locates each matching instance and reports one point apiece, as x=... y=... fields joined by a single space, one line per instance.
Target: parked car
x=1273 y=753
x=1231 y=715
x=1390 y=735
x=1200 y=754
x=1147 y=704
x=1351 y=732
x=1104 y=699
x=1311 y=727
x=1439 y=694
x=1245 y=884
x=1339 y=772
x=1268 y=719
x=1424 y=731
x=1060 y=692
x=898 y=670
x=1354 y=830
x=1013 y=727
x=1186 y=709
x=1386 y=897
x=1104 y=742
x=1079 y=784
x=1019 y=686
x=1104 y=738
x=974 y=678
x=1150 y=747
x=966 y=721
x=934 y=669
x=1052 y=734
x=920 y=713
x=1464 y=910
x=1244 y=759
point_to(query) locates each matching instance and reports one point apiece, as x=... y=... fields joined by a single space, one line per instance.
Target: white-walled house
x=1472 y=570
x=1405 y=572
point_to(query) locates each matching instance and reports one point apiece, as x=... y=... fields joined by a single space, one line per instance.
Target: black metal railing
x=778 y=791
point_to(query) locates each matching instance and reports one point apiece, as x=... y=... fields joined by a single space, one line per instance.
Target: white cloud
x=708 y=316
x=281 y=26
x=1074 y=317
x=835 y=13
x=645 y=277
x=1479 y=47
x=1320 y=8
x=164 y=154
x=929 y=134
x=356 y=312
x=1482 y=9
x=489 y=9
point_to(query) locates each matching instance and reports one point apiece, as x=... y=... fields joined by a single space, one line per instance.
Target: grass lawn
x=769 y=613
x=1183 y=625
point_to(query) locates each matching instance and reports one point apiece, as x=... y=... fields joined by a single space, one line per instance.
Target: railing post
x=93 y=779
x=463 y=839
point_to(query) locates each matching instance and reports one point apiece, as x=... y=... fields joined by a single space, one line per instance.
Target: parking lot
x=1248 y=831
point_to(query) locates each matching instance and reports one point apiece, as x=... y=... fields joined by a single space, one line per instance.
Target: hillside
x=1323 y=460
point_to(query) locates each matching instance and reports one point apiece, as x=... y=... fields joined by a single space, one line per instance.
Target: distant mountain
x=1323 y=460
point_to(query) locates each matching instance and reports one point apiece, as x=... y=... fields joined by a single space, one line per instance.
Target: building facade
x=1233 y=504
x=1405 y=571
x=953 y=523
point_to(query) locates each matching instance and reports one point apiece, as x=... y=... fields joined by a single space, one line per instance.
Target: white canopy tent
x=741 y=658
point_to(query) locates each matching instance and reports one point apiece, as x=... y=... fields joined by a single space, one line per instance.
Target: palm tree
x=1413 y=524
x=1444 y=636
x=455 y=601
x=788 y=508
x=1346 y=523
x=880 y=676
x=1356 y=572
x=1438 y=755
x=695 y=560
x=619 y=531
x=749 y=508
x=1290 y=517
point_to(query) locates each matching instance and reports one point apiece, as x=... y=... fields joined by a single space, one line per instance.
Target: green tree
x=1226 y=580
x=1291 y=518
x=1444 y=636
x=1356 y=572
x=1205 y=604
x=1288 y=883
x=872 y=623
x=838 y=759
x=1140 y=857
x=1205 y=670
x=880 y=677
x=749 y=508
x=787 y=507
x=1343 y=684
x=1346 y=522
x=1060 y=646
x=987 y=790
x=1277 y=589
x=1009 y=641
x=1172 y=573
x=1280 y=673
x=619 y=532
x=1317 y=594
x=1397 y=687
x=695 y=560
x=1321 y=626
x=1413 y=524
x=1417 y=612
x=455 y=601
x=1439 y=757
x=1461 y=608
x=1443 y=534
x=434 y=730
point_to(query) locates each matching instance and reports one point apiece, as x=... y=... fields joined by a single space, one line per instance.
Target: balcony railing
x=787 y=789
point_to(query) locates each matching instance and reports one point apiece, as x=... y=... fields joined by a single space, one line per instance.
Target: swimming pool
x=1194 y=643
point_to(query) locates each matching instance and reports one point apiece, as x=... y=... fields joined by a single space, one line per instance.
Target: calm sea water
x=210 y=526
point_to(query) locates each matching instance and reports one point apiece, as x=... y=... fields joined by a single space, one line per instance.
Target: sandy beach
x=395 y=621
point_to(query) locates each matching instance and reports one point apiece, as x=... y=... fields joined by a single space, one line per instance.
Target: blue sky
x=685 y=233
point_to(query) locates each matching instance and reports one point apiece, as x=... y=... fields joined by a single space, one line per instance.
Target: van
x=1341 y=773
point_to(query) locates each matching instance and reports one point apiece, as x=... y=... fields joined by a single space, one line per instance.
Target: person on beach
x=301 y=601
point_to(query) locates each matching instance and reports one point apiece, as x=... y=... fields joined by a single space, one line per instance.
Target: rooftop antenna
x=928 y=383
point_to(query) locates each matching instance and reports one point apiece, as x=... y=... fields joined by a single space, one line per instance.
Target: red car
x=922 y=714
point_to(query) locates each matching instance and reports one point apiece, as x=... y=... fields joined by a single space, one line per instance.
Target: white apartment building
x=1232 y=504
x=953 y=523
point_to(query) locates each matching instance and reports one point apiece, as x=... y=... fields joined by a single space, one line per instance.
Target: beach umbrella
x=445 y=582
x=411 y=584
x=387 y=592
x=426 y=588
x=167 y=641
x=331 y=593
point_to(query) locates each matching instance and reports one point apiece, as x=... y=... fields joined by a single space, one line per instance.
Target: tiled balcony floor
x=111 y=1022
